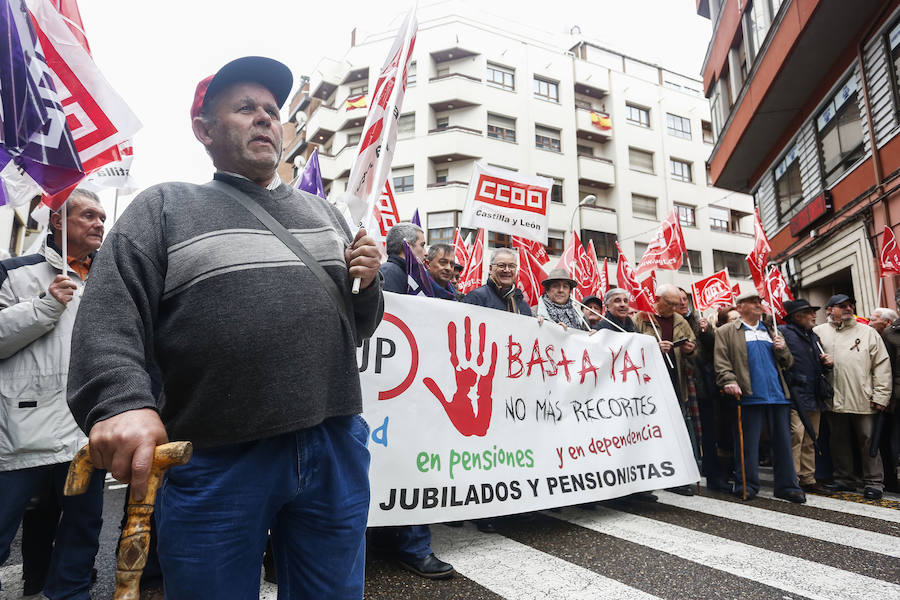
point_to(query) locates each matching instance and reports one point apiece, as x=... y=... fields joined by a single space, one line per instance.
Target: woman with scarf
x=556 y=304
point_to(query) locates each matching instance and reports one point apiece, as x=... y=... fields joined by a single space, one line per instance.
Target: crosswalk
x=708 y=546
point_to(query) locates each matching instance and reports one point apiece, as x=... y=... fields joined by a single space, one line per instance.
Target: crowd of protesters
x=751 y=393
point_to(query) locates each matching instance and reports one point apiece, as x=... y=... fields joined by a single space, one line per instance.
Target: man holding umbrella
x=809 y=389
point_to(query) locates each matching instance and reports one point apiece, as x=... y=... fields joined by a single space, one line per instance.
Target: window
x=501 y=128
x=637 y=115
x=680 y=170
x=640 y=248
x=440 y=175
x=788 y=187
x=696 y=263
x=708 y=175
x=735 y=263
x=643 y=206
x=501 y=77
x=640 y=160
x=719 y=218
x=678 y=126
x=353 y=138
x=546 y=90
x=556 y=241
x=686 y=215
x=840 y=133
x=556 y=191
x=442 y=70
x=547 y=138
x=441 y=227
x=442 y=122
x=403 y=179
x=604 y=243
x=706 y=128
x=406 y=125
x=499 y=240
x=359 y=90
x=411 y=75
x=584 y=150
x=894 y=48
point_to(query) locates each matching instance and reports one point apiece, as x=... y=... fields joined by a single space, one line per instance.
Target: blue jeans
x=77 y=536
x=310 y=487
x=410 y=542
x=778 y=417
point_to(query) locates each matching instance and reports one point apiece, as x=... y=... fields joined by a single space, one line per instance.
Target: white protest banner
x=508 y=202
x=477 y=413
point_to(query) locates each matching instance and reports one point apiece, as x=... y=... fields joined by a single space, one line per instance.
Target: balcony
x=596 y=172
x=325 y=80
x=454 y=85
x=322 y=124
x=590 y=79
x=447 y=196
x=587 y=129
x=599 y=219
x=338 y=165
x=454 y=143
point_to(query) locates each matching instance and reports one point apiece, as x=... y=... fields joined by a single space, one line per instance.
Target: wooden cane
x=134 y=543
x=741 y=439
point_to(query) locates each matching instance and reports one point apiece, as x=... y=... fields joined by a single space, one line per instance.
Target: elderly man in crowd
x=257 y=350
x=861 y=379
x=881 y=318
x=676 y=342
x=749 y=361
x=806 y=380
x=393 y=270
x=617 y=311
x=39 y=298
x=592 y=309
x=500 y=291
x=556 y=302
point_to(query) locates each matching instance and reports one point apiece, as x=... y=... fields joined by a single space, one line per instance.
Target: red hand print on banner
x=468 y=418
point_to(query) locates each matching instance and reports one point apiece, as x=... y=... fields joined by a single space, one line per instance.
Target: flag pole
x=64 y=242
x=880 y=286
x=582 y=306
x=771 y=301
x=380 y=165
x=659 y=338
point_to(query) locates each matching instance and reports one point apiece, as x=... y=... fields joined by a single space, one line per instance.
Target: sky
x=154 y=53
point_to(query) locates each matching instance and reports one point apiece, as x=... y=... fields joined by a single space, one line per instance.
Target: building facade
x=805 y=115
x=17 y=230
x=530 y=101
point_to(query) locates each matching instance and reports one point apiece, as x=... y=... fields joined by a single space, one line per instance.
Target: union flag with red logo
x=471 y=276
x=714 y=291
x=385 y=212
x=530 y=276
x=759 y=256
x=666 y=249
x=534 y=247
x=460 y=250
x=890 y=255
x=627 y=279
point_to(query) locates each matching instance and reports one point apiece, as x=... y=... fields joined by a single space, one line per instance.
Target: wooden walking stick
x=134 y=543
x=741 y=439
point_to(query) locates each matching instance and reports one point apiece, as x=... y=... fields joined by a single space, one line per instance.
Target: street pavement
x=708 y=546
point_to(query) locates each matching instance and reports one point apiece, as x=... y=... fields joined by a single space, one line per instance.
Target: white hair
x=886 y=314
x=667 y=288
x=510 y=251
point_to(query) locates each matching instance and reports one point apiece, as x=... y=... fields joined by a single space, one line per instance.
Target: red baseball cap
x=269 y=73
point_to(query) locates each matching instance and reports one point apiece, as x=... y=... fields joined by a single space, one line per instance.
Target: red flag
x=385 y=212
x=626 y=278
x=735 y=291
x=603 y=279
x=666 y=249
x=890 y=255
x=69 y=11
x=580 y=267
x=569 y=258
x=471 y=277
x=530 y=276
x=777 y=292
x=460 y=250
x=713 y=292
x=534 y=247
x=759 y=256
x=649 y=284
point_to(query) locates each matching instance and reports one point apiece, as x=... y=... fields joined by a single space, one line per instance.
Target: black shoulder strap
x=292 y=243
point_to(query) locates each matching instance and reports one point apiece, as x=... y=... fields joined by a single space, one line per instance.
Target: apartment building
x=805 y=116
x=625 y=141
x=16 y=229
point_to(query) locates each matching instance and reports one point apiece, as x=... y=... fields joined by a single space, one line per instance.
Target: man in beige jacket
x=862 y=388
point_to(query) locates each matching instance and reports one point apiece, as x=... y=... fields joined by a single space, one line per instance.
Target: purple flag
x=35 y=136
x=418 y=281
x=415 y=219
x=311 y=178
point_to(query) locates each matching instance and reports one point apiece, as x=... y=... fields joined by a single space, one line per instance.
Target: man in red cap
x=256 y=342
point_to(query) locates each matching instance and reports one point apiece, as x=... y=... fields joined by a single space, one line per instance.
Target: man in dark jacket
x=806 y=379
x=500 y=291
x=617 y=319
x=440 y=262
x=394 y=269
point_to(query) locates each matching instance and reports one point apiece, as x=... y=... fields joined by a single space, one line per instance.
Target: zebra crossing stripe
x=782 y=571
x=812 y=528
x=519 y=572
x=11 y=576
x=850 y=508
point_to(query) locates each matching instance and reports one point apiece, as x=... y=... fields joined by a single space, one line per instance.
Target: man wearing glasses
x=500 y=291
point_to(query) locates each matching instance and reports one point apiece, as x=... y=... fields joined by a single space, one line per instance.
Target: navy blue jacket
x=806 y=374
x=489 y=295
x=626 y=324
x=394 y=272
